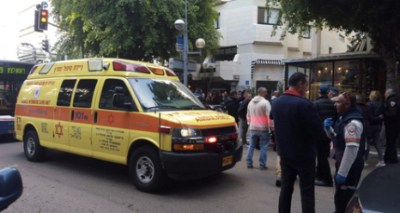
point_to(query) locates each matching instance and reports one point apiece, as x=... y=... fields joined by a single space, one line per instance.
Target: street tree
x=134 y=29
x=378 y=19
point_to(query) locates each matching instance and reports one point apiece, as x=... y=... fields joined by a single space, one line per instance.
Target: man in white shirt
x=259 y=125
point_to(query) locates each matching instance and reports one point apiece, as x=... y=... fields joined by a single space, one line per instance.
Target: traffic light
x=45 y=45
x=43 y=19
x=36 y=24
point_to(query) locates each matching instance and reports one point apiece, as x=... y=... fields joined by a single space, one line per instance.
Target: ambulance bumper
x=195 y=165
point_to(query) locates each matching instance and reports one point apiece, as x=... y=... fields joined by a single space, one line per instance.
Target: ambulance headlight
x=186 y=132
x=187 y=140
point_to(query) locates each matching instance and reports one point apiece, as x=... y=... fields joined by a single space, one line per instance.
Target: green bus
x=12 y=75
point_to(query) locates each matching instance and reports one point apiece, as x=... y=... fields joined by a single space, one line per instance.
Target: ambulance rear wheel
x=145 y=169
x=32 y=148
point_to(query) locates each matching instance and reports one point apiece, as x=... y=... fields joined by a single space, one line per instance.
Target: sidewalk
x=271 y=160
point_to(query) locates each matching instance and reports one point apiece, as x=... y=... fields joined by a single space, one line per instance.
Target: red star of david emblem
x=110 y=119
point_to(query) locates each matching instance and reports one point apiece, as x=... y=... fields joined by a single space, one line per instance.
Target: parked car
x=378 y=192
x=10 y=186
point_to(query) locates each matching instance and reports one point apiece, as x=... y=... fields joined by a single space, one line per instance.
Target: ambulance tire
x=32 y=148
x=145 y=169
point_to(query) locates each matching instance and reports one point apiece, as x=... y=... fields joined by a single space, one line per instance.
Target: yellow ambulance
x=127 y=112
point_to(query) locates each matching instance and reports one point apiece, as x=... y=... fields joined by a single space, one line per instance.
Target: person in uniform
x=349 y=142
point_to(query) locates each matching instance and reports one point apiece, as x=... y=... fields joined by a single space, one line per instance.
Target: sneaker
x=380 y=164
x=263 y=168
x=249 y=166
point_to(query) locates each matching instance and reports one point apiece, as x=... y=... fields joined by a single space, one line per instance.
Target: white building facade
x=251 y=56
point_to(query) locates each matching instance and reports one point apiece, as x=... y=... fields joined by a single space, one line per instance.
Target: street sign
x=178 y=64
x=44 y=5
x=179 y=43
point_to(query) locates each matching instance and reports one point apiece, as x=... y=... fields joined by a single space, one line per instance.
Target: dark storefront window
x=348 y=76
x=321 y=75
x=358 y=76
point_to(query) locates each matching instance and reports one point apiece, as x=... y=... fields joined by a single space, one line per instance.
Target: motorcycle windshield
x=378 y=191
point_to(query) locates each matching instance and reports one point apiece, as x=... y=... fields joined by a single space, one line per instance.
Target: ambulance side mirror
x=10 y=185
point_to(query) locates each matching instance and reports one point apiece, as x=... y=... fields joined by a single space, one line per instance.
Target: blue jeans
x=264 y=138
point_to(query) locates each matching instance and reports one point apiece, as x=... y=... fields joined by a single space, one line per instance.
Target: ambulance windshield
x=163 y=94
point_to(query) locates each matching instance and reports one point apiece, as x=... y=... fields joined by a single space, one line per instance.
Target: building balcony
x=226 y=70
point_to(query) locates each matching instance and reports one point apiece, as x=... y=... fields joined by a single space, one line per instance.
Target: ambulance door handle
x=72 y=115
x=95 y=117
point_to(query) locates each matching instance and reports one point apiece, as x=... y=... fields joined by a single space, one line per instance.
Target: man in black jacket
x=391 y=118
x=242 y=115
x=297 y=129
x=231 y=105
x=326 y=109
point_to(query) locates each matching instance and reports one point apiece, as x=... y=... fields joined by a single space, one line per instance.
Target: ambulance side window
x=65 y=93
x=84 y=93
x=107 y=94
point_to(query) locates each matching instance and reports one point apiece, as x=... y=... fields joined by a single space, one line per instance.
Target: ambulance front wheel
x=145 y=169
x=32 y=148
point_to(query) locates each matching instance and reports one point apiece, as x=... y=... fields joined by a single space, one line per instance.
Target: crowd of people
x=306 y=134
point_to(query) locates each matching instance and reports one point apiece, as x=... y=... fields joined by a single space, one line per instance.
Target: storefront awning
x=264 y=62
x=267 y=61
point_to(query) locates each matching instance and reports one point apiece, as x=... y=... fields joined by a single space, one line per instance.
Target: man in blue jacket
x=297 y=129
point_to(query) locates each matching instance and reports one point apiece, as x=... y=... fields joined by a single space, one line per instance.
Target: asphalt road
x=69 y=183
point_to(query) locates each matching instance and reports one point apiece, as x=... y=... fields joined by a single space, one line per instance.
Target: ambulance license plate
x=227 y=160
